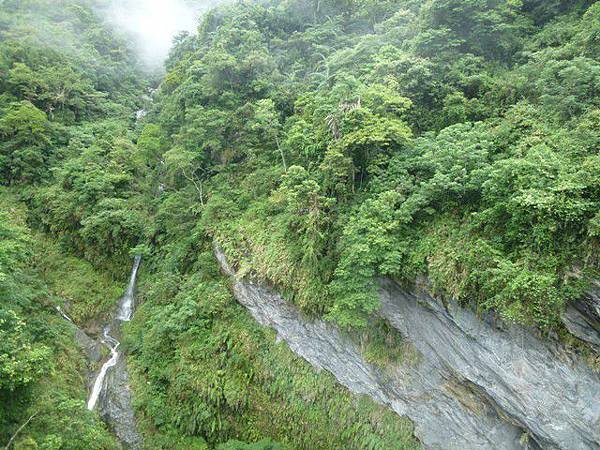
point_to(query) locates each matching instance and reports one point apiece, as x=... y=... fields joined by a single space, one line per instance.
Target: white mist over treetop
x=154 y=23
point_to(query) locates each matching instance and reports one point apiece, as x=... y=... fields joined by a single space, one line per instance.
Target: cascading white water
x=113 y=344
x=124 y=314
x=126 y=304
x=63 y=314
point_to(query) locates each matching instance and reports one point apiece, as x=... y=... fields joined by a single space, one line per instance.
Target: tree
x=25 y=146
x=21 y=360
x=183 y=163
x=266 y=124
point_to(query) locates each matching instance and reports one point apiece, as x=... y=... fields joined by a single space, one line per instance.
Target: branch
x=198 y=188
x=281 y=152
x=14 y=436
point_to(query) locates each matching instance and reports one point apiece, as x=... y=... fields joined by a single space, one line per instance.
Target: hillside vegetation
x=322 y=144
x=330 y=143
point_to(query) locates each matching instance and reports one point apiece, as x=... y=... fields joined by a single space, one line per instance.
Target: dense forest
x=322 y=144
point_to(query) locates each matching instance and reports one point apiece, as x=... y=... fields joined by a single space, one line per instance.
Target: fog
x=154 y=23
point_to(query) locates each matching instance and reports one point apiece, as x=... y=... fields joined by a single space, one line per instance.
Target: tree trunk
x=282 y=155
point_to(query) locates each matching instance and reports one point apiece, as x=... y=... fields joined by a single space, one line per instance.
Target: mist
x=154 y=23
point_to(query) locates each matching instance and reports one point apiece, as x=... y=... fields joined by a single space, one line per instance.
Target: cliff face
x=582 y=317
x=475 y=385
x=530 y=382
x=115 y=406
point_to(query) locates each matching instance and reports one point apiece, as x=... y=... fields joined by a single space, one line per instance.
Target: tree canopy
x=323 y=144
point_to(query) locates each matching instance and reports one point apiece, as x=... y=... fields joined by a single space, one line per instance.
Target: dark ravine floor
x=475 y=386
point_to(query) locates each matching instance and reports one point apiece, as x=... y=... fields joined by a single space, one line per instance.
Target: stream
x=111 y=392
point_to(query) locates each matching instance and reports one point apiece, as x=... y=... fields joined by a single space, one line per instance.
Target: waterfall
x=113 y=344
x=126 y=304
x=124 y=314
x=111 y=393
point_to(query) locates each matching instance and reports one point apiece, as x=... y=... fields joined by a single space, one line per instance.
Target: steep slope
x=456 y=141
x=43 y=372
x=325 y=146
x=475 y=385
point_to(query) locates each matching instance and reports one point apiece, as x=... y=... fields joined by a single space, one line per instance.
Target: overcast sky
x=154 y=23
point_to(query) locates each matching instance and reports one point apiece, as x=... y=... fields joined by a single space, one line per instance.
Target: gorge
x=363 y=224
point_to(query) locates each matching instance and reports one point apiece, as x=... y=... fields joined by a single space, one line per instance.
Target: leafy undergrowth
x=203 y=368
x=381 y=344
x=42 y=372
x=88 y=295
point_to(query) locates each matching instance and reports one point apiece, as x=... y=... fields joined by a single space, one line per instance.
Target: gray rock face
x=531 y=382
x=91 y=348
x=475 y=386
x=115 y=406
x=582 y=317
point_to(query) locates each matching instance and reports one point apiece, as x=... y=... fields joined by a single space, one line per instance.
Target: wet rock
x=115 y=406
x=475 y=386
x=111 y=391
x=91 y=348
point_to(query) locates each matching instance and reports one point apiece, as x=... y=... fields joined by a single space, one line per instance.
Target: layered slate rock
x=533 y=383
x=475 y=385
x=582 y=317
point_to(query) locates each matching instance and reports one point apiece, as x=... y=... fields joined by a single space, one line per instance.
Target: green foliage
x=65 y=59
x=456 y=140
x=202 y=366
x=491 y=29
x=323 y=144
x=24 y=150
x=60 y=69
x=382 y=345
x=58 y=66
x=14 y=249
x=87 y=294
x=264 y=444
x=66 y=425
x=96 y=204
x=22 y=362
x=42 y=373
